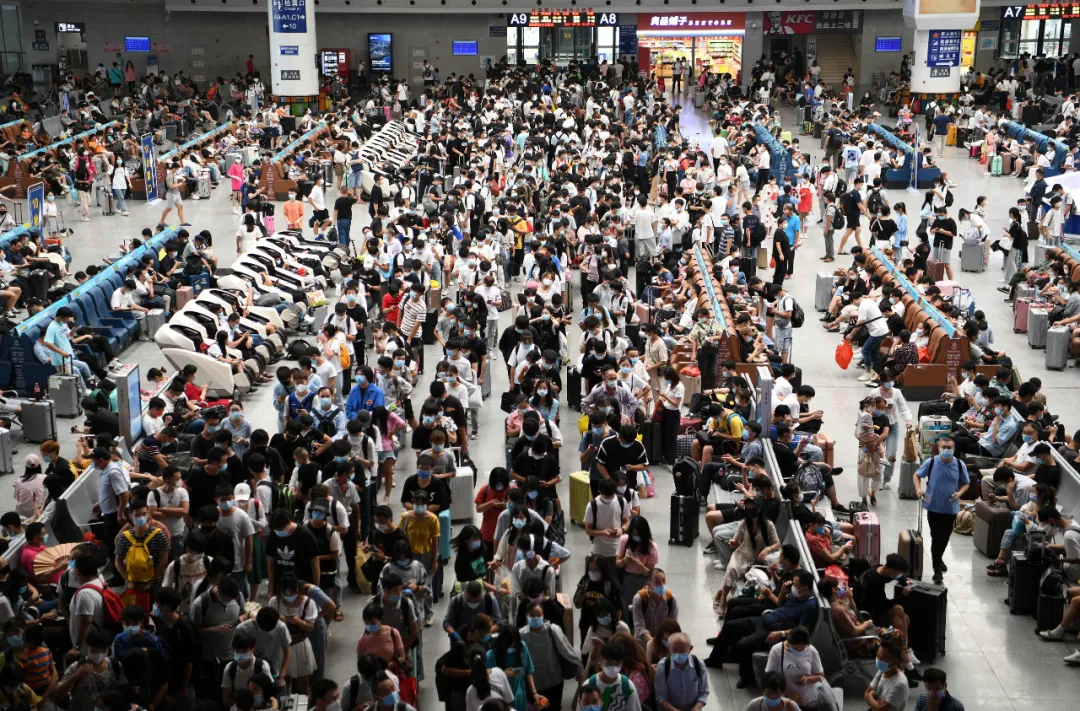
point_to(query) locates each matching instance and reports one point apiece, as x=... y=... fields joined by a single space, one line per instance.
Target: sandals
x=339 y=616
x=997 y=570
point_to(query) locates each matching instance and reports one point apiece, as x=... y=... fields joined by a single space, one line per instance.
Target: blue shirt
x=943 y=479
x=793 y=612
x=1005 y=432
x=57 y=334
x=682 y=688
x=791 y=228
x=364 y=399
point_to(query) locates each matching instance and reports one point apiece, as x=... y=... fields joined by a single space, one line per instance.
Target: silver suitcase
x=461 y=494
x=971 y=258
x=204 y=184
x=154 y=320
x=1040 y=252
x=1057 y=347
x=1038 y=322
x=823 y=291
x=64 y=392
x=1024 y=291
x=7 y=461
x=38 y=420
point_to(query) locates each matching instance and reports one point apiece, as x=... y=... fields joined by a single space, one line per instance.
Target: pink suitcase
x=948 y=288
x=1020 y=322
x=867 y=537
x=268 y=223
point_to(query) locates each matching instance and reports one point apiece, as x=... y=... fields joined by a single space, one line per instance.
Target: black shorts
x=851 y=220
x=321 y=215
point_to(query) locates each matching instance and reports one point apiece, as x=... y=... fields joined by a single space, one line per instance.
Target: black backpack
x=874 y=201
x=798 y=318
x=948 y=198
x=274 y=494
x=326 y=424
x=838 y=219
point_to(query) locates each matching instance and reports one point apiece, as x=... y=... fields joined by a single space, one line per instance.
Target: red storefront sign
x=690 y=22
x=789 y=23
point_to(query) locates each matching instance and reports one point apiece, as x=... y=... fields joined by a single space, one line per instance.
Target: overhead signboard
x=544 y=17
x=1047 y=11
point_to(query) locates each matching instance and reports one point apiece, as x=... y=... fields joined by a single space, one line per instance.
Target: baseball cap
x=242 y=492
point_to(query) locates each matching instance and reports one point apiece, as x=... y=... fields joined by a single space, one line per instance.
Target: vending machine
x=334 y=61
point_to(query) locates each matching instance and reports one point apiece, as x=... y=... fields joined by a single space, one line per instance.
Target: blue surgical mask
x=437 y=448
x=1028 y=438
x=598 y=430
x=390 y=699
x=225 y=505
x=133 y=629
x=281 y=534
x=15 y=640
x=605 y=620
x=532 y=494
x=428 y=419
x=242 y=657
x=536 y=622
x=423 y=473
x=474 y=545
x=236 y=416
x=881 y=665
x=680 y=657
x=318 y=515
x=420 y=508
x=888 y=384
x=326 y=401
x=211 y=429
x=999 y=411
x=140 y=521
x=372 y=629
x=946 y=455
x=878 y=413
x=404 y=562
x=625 y=444
x=399 y=364
x=772 y=703
x=659 y=589
x=289 y=598
x=519 y=523
x=635 y=538
x=362 y=381
x=341 y=460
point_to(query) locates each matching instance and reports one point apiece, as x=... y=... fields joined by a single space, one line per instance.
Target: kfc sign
x=789 y=23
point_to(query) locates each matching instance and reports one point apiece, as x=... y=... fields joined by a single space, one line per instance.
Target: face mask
x=536 y=622
x=46 y=458
x=236 y=416
x=281 y=534
x=946 y=455
x=225 y=505
x=141 y=521
x=362 y=381
x=681 y=657
x=594 y=575
x=532 y=494
x=519 y=523
x=318 y=516
x=15 y=640
x=772 y=703
x=211 y=429
x=289 y=598
x=391 y=699
x=1028 y=438
x=381 y=527
x=940 y=694
x=372 y=629
x=881 y=666
x=404 y=563
x=420 y=508
x=612 y=671
x=1033 y=498
x=659 y=590
x=820 y=530
x=429 y=419
x=500 y=487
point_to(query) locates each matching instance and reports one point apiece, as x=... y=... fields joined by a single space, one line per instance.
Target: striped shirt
x=36 y=665
x=413 y=312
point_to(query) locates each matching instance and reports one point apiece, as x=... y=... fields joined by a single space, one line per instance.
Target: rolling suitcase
x=975 y=151
x=428 y=332
x=573 y=389
x=580 y=495
x=106 y=203
x=971 y=258
x=39 y=420
x=183 y=295
x=926 y=604
x=910 y=546
x=823 y=291
x=203 y=185
x=699 y=99
x=991 y=522
x=1039 y=251
x=1006 y=164
x=1050 y=608
x=64 y=392
x=1024 y=578
x=995 y=166
x=686 y=474
x=652 y=439
x=905 y=485
x=154 y=320
x=935 y=269
x=950 y=135
x=39 y=286
x=867 y=537
x=461 y=493
x=1021 y=308
x=1057 y=347
x=684 y=520
x=1038 y=322
x=1024 y=291
x=7 y=462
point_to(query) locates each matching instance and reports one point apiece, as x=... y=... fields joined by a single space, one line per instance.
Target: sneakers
x=719 y=565
x=709 y=549
x=865 y=377
x=885 y=486
x=125 y=214
x=1055 y=635
x=1073 y=658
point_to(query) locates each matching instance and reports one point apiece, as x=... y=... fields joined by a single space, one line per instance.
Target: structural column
x=294 y=73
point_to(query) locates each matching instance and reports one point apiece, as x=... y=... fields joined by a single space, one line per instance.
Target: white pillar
x=293 y=48
x=921 y=80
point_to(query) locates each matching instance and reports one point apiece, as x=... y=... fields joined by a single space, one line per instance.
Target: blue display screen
x=887 y=44
x=136 y=44
x=466 y=49
x=381 y=52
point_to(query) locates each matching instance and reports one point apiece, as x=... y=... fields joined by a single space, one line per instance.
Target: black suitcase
x=653 y=440
x=684 y=520
x=39 y=285
x=686 y=473
x=573 y=389
x=643 y=271
x=935 y=408
x=926 y=605
x=428 y=332
x=1024 y=578
x=633 y=334
x=1050 y=608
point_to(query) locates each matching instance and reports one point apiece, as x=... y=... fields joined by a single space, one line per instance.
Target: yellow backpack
x=139 y=562
x=344 y=358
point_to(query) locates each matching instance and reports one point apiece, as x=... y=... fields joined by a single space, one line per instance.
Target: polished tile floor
x=994 y=659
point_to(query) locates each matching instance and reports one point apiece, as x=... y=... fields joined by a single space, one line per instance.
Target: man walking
x=941 y=494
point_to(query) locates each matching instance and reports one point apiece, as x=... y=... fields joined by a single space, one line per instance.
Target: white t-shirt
x=270 y=645
x=794 y=665
x=162 y=499
x=893 y=690
x=868 y=310
x=239 y=527
x=602 y=516
x=87 y=603
x=318 y=199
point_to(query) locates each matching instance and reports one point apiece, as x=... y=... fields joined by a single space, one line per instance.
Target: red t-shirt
x=491 y=516
x=390 y=307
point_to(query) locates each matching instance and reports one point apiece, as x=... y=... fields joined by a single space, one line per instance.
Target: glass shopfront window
x=562 y=44
x=1034 y=37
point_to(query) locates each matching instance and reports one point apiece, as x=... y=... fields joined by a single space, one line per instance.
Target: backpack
x=622 y=507
x=139 y=562
x=745 y=432
x=344 y=358
x=699 y=668
x=838 y=219
x=759 y=234
x=326 y=424
x=874 y=201
x=835 y=140
x=809 y=478
x=298 y=349
x=948 y=198
x=230 y=669
x=275 y=495
x=841 y=186
x=112 y=606
x=798 y=318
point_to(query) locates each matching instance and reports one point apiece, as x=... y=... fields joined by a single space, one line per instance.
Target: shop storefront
x=1036 y=29
x=712 y=41
x=562 y=36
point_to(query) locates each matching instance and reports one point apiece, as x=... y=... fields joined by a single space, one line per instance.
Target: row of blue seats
x=91 y=303
x=901 y=177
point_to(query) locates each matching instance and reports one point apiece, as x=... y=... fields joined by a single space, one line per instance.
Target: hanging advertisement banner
x=150 y=176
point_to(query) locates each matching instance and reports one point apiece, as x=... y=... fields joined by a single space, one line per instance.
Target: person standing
x=676 y=76
x=941 y=494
